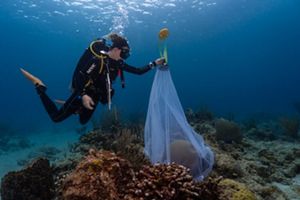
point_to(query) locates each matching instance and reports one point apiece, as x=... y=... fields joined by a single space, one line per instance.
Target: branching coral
x=163 y=182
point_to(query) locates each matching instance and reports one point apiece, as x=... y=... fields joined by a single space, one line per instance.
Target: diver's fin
x=33 y=79
x=58 y=101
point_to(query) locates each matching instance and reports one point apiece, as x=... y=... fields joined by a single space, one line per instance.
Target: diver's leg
x=35 y=80
x=58 y=115
x=86 y=114
x=71 y=106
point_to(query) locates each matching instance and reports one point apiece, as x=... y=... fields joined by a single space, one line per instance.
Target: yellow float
x=162 y=35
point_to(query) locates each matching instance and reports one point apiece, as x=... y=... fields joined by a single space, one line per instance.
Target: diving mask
x=125 y=53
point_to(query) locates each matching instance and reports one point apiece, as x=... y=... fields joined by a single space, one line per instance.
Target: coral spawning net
x=168 y=136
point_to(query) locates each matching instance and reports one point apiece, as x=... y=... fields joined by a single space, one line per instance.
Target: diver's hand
x=160 y=61
x=88 y=102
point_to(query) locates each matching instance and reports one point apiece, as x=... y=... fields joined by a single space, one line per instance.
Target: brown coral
x=100 y=176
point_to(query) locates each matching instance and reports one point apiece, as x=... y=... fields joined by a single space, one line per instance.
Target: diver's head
x=119 y=48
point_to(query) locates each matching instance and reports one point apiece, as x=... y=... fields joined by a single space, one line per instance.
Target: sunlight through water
x=118 y=14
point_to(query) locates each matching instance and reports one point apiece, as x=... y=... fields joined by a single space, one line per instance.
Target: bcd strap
x=99 y=56
x=102 y=57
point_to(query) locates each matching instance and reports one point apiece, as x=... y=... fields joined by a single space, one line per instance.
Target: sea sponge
x=228 y=131
x=233 y=190
x=183 y=153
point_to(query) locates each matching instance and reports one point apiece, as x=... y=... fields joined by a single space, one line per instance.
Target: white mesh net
x=168 y=136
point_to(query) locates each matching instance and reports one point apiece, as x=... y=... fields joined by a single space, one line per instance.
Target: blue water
x=234 y=56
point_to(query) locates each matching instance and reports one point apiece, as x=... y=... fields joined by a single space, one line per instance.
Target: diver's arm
x=144 y=69
x=136 y=70
x=88 y=102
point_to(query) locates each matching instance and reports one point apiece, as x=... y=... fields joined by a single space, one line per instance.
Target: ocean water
x=233 y=56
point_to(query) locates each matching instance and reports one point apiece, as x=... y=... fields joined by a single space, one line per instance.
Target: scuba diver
x=96 y=70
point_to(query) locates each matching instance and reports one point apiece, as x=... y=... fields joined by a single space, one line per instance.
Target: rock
x=293 y=169
x=267 y=155
x=33 y=183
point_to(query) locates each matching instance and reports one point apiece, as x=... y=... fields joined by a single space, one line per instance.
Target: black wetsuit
x=88 y=79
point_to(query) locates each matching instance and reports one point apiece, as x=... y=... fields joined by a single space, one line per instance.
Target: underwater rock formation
x=228 y=131
x=33 y=183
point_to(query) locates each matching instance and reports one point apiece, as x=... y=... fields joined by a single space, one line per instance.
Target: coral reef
x=256 y=159
x=172 y=181
x=126 y=142
x=228 y=131
x=235 y=191
x=101 y=175
x=32 y=183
